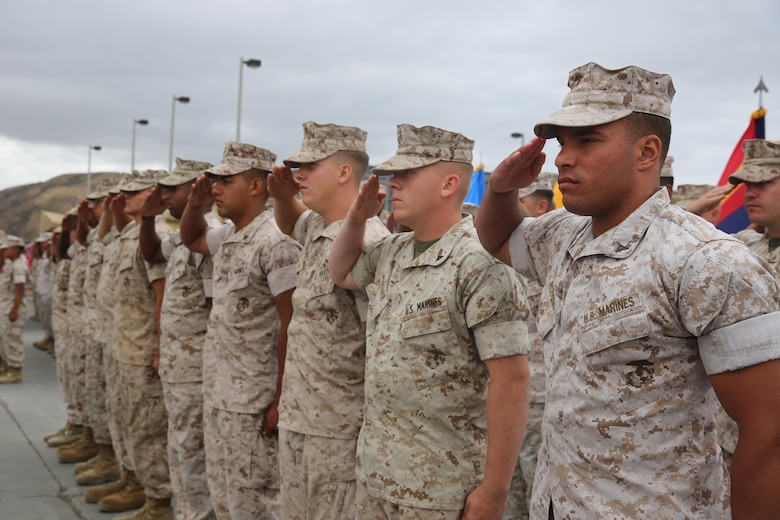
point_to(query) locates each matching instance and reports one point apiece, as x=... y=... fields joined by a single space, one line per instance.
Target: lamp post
x=89 y=166
x=252 y=64
x=142 y=122
x=183 y=100
x=518 y=135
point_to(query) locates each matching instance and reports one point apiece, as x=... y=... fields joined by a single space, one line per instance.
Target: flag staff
x=761 y=88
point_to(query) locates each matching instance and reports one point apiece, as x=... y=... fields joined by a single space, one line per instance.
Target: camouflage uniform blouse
x=633 y=322
x=326 y=354
x=251 y=267
x=432 y=321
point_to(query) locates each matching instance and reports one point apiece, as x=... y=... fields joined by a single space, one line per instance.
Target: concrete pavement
x=33 y=484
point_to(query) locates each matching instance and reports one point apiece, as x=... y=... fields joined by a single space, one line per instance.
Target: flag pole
x=761 y=88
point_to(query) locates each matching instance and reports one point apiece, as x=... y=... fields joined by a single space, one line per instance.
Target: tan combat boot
x=41 y=344
x=131 y=496
x=81 y=467
x=57 y=433
x=84 y=449
x=50 y=348
x=71 y=433
x=154 y=509
x=11 y=375
x=95 y=494
x=106 y=469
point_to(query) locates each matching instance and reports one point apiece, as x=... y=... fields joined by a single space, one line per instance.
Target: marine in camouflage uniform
x=183 y=318
x=139 y=288
x=13 y=308
x=645 y=309
x=446 y=381
x=321 y=407
x=243 y=357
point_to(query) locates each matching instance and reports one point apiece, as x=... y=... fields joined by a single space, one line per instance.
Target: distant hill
x=21 y=206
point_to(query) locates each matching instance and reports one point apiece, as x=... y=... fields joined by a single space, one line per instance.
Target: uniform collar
x=245 y=235
x=438 y=253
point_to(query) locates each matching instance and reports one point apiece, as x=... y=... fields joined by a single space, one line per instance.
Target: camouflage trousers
x=44 y=314
x=12 y=342
x=317 y=477
x=523 y=477
x=95 y=385
x=145 y=428
x=242 y=466
x=63 y=363
x=371 y=508
x=114 y=406
x=186 y=450
x=77 y=379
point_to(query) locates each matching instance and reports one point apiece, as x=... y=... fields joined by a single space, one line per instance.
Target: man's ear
x=450 y=185
x=649 y=152
x=345 y=173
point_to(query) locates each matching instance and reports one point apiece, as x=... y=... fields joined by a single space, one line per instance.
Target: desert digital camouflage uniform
x=321 y=408
x=431 y=323
x=183 y=320
x=251 y=266
x=44 y=282
x=59 y=322
x=632 y=332
x=12 y=342
x=95 y=372
x=143 y=416
x=77 y=343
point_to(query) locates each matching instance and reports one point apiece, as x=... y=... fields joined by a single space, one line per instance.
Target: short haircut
x=641 y=124
x=547 y=195
x=358 y=161
x=256 y=173
x=464 y=172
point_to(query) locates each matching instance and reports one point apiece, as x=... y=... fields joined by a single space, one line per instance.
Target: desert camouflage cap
x=321 y=141
x=102 y=188
x=418 y=147
x=12 y=241
x=666 y=169
x=687 y=193
x=44 y=237
x=599 y=96
x=143 y=181
x=123 y=179
x=240 y=157
x=761 y=162
x=545 y=181
x=185 y=171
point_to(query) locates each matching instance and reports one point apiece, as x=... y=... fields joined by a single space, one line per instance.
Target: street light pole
x=183 y=100
x=89 y=166
x=253 y=64
x=142 y=122
x=518 y=135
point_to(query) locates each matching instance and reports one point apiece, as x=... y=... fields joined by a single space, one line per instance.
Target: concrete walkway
x=33 y=484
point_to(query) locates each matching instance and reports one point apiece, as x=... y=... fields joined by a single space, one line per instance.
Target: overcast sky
x=76 y=73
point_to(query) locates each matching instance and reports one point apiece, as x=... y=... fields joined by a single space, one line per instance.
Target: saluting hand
x=154 y=204
x=520 y=169
x=369 y=201
x=200 y=194
x=282 y=184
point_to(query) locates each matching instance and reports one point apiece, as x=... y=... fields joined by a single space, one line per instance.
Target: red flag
x=733 y=217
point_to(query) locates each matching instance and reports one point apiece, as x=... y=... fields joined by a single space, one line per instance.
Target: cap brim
x=228 y=170
x=301 y=157
x=578 y=116
x=755 y=173
x=175 y=180
x=401 y=163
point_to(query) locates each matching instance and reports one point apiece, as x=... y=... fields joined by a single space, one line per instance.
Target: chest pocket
x=176 y=270
x=238 y=280
x=622 y=358
x=426 y=322
x=126 y=263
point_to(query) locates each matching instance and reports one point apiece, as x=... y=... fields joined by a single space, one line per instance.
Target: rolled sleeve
x=743 y=344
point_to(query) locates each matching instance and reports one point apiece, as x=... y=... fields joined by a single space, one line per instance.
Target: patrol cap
x=44 y=237
x=687 y=193
x=12 y=241
x=544 y=181
x=240 y=157
x=761 y=162
x=143 y=181
x=418 y=147
x=599 y=96
x=185 y=171
x=102 y=188
x=321 y=141
x=123 y=181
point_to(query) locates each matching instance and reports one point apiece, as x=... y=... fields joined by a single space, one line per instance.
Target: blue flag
x=477 y=189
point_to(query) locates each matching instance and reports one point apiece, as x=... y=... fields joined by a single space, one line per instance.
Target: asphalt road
x=33 y=484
